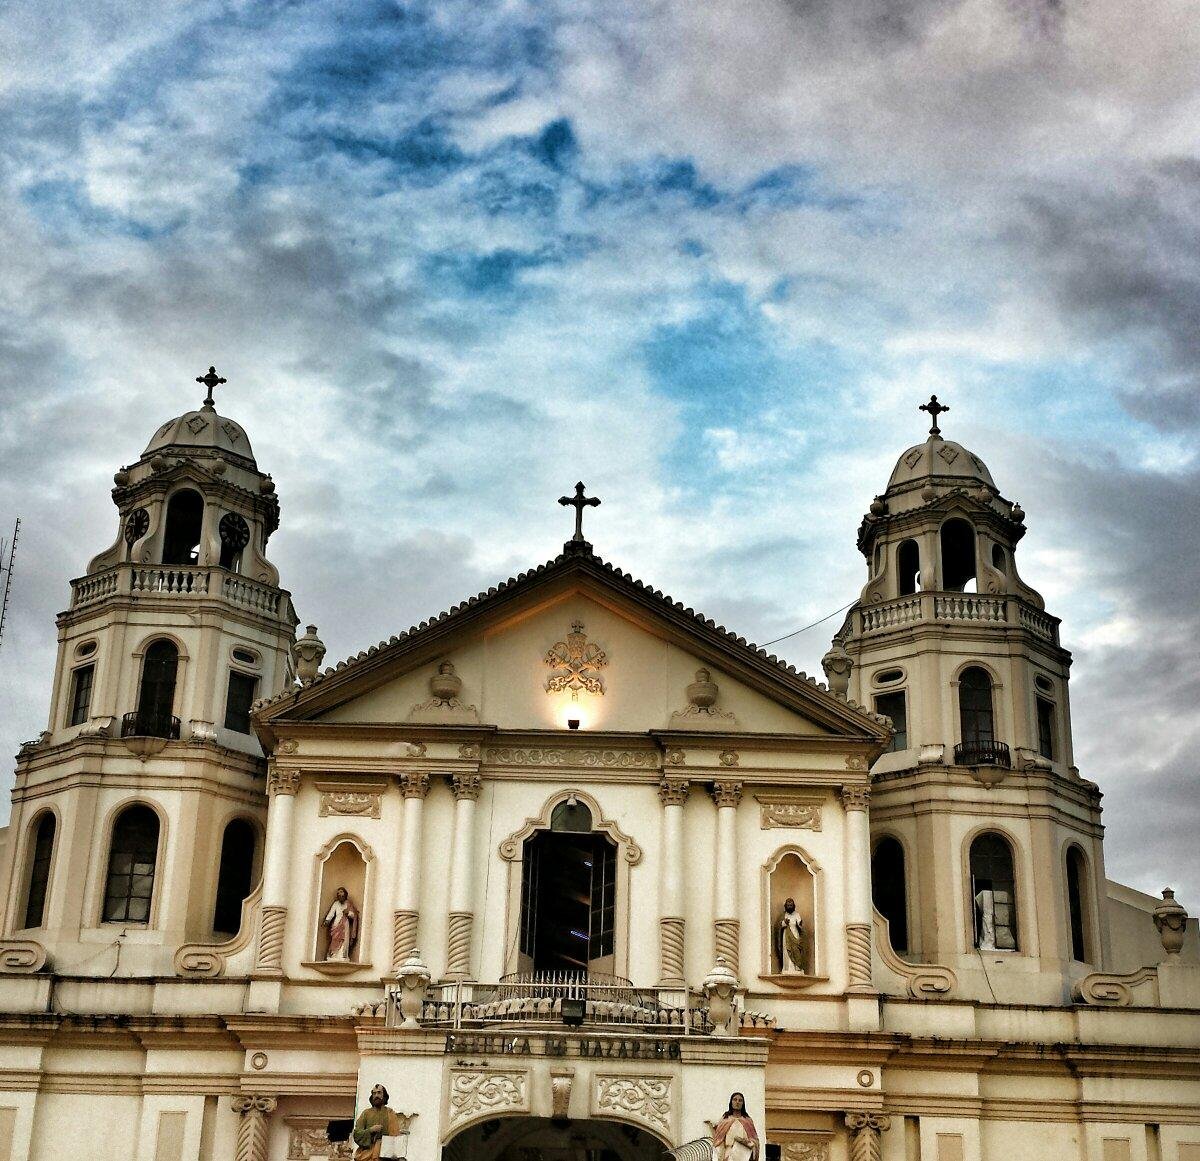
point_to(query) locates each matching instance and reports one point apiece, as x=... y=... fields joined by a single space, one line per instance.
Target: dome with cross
x=939 y=457
x=203 y=428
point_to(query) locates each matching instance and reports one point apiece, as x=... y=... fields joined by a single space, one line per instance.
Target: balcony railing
x=177 y=582
x=981 y=754
x=150 y=725
x=590 y=1001
x=957 y=607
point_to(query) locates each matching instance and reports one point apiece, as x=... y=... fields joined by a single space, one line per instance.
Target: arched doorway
x=540 y=1139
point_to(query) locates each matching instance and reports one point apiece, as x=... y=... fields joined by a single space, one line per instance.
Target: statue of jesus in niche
x=789 y=940
x=341 y=921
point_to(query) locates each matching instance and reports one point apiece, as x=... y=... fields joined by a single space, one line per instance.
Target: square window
x=242 y=690
x=895 y=706
x=81 y=694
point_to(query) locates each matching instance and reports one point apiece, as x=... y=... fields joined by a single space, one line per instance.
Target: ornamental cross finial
x=211 y=380
x=935 y=409
x=579 y=502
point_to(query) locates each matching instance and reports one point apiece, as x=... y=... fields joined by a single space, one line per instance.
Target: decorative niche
x=791 y=873
x=345 y=861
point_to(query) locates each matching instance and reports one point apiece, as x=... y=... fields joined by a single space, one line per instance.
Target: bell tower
x=137 y=814
x=987 y=852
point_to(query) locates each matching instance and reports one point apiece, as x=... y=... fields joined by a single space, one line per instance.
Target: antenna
x=7 y=570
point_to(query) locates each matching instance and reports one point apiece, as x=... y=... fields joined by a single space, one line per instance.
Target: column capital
x=466 y=786
x=282 y=781
x=868 y=1122
x=673 y=791
x=856 y=797
x=414 y=784
x=247 y=1103
x=726 y=794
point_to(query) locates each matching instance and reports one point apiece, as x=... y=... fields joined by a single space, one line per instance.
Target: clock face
x=234 y=530
x=137 y=524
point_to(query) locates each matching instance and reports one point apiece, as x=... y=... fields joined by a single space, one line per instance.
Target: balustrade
x=167 y=581
x=958 y=607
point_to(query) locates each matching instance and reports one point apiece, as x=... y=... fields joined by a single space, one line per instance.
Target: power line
x=797 y=632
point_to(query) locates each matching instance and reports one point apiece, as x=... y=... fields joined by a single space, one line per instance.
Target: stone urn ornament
x=445 y=685
x=309 y=652
x=837 y=664
x=1171 y=919
x=413 y=978
x=702 y=693
x=720 y=989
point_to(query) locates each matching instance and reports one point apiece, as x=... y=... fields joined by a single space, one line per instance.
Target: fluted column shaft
x=466 y=789
x=252 y=1127
x=672 y=793
x=406 y=916
x=726 y=925
x=857 y=891
x=282 y=786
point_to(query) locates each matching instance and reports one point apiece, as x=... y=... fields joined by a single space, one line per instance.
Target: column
x=672 y=793
x=252 y=1126
x=462 y=916
x=855 y=800
x=726 y=925
x=282 y=786
x=864 y=1134
x=414 y=787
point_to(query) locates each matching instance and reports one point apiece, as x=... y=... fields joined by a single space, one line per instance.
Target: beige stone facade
x=174 y=986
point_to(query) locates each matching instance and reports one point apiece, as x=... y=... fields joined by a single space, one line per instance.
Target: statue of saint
x=374 y=1124
x=341 y=921
x=734 y=1136
x=985 y=916
x=789 y=940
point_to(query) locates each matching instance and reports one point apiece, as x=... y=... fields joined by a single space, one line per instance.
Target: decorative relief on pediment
x=575 y=663
x=475 y=1094
x=636 y=1098
x=353 y=802
x=565 y=756
x=796 y=813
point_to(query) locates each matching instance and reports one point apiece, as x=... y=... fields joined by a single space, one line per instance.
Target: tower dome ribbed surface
x=204 y=428
x=941 y=458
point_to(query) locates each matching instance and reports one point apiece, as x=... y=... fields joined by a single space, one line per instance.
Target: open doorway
x=539 y=1139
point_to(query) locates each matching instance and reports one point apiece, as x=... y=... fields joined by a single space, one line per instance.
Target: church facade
x=568 y=865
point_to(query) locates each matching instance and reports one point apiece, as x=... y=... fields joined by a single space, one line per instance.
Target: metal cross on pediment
x=935 y=409
x=575 y=661
x=579 y=502
x=211 y=380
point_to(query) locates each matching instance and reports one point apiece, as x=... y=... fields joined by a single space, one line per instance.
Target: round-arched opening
x=958 y=556
x=156 y=695
x=908 y=566
x=999 y=558
x=132 y=862
x=234 y=876
x=543 y=1139
x=1077 y=904
x=993 y=893
x=41 y=856
x=889 y=890
x=185 y=518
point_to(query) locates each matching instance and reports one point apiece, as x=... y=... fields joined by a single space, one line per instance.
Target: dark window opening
x=993 y=894
x=975 y=706
x=233 y=879
x=876 y=560
x=39 y=870
x=998 y=559
x=1076 y=877
x=908 y=566
x=568 y=900
x=571 y=815
x=156 y=698
x=895 y=706
x=1045 y=728
x=889 y=890
x=242 y=688
x=185 y=518
x=81 y=694
x=131 y=862
x=958 y=557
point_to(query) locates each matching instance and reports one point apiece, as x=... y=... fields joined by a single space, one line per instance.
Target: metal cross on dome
x=935 y=409
x=211 y=380
x=579 y=502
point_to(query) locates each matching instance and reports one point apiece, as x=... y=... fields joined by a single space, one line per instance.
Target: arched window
x=888 y=889
x=999 y=560
x=39 y=870
x=975 y=718
x=156 y=697
x=1076 y=902
x=993 y=893
x=233 y=879
x=908 y=566
x=131 y=862
x=958 y=557
x=185 y=517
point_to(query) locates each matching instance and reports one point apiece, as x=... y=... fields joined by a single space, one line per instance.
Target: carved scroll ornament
x=475 y=1094
x=639 y=1098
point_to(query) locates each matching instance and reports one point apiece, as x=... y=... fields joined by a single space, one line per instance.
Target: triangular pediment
x=574 y=640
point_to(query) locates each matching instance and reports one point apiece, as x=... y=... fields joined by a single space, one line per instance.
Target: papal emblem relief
x=575 y=662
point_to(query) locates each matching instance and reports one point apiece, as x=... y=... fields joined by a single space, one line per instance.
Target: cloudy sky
x=706 y=257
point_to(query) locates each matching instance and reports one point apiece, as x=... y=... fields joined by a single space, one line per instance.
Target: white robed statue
x=734 y=1135
x=341 y=921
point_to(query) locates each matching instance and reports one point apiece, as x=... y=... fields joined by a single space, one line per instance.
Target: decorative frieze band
x=567 y=756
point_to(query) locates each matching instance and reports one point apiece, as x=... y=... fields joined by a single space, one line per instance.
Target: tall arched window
x=185 y=518
x=39 y=869
x=156 y=697
x=958 y=556
x=1077 y=905
x=908 y=566
x=888 y=889
x=975 y=716
x=233 y=879
x=993 y=893
x=131 y=863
